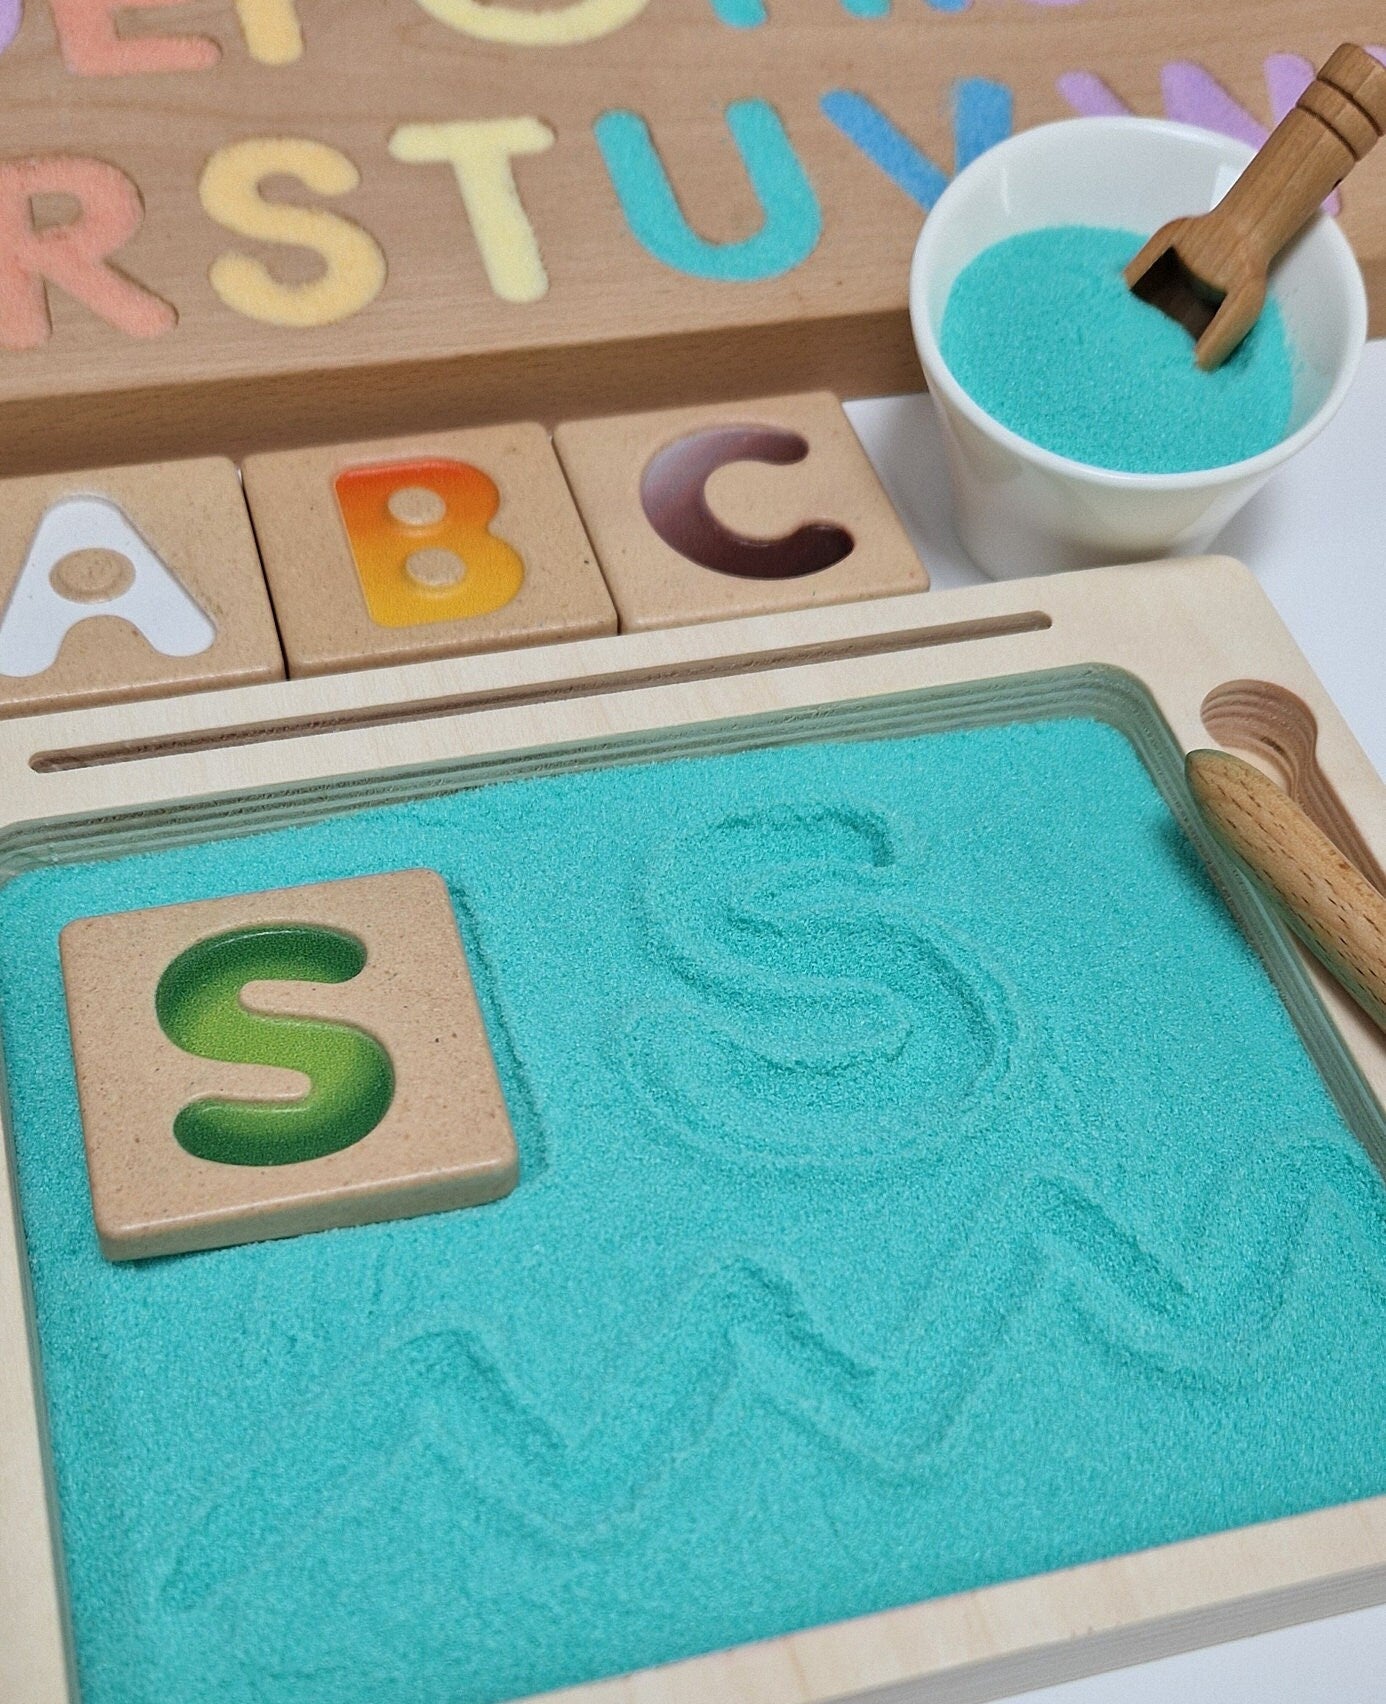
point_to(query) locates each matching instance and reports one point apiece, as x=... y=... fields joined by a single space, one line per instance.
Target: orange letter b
x=420 y=537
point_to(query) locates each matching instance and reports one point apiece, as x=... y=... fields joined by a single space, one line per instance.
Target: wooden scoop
x=1209 y=272
x=1338 y=914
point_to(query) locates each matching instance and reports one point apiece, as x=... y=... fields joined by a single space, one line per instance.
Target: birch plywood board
x=635 y=203
x=1191 y=650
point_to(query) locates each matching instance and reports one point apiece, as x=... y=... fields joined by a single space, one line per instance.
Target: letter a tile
x=281 y=1062
x=129 y=582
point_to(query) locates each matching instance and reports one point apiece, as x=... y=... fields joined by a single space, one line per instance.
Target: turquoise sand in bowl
x=1041 y=331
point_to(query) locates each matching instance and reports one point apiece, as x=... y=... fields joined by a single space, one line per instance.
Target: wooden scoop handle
x=1328 y=902
x=1338 y=120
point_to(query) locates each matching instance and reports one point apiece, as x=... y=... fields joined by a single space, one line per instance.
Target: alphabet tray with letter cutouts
x=228 y=228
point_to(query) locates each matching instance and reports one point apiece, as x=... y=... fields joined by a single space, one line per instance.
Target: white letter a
x=38 y=616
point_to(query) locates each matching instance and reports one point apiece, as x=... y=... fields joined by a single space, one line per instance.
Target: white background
x=1316 y=539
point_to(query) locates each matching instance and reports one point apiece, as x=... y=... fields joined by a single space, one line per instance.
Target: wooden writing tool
x=1328 y=902
x=1209 y=272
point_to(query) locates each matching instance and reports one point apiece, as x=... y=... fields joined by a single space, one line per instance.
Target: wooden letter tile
x=698 y=514
x=435 y=546
x=129 y=582
x=281 y=1062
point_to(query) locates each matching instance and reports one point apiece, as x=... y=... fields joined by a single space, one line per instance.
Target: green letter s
x=198 y=1004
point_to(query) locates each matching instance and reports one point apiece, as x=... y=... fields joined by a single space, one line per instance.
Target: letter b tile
x=281 y=1062
x=435 y=546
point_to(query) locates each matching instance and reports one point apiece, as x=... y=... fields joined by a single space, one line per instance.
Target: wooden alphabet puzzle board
x=1174 y=656
x=227 y=228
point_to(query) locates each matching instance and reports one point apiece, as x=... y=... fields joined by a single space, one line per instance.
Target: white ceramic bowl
x=1021 y=509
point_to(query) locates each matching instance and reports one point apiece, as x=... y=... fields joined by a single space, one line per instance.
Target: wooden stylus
x=1326 y=900
x=1209 y=271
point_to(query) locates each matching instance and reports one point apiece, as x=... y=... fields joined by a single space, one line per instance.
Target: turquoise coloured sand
x=1042 y=332
x=922 y=1185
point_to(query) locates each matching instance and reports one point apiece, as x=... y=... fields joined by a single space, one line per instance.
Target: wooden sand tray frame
x=1180 y=654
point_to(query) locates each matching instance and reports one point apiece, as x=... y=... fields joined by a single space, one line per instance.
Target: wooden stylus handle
x=1337 y=121
x=1328 y=902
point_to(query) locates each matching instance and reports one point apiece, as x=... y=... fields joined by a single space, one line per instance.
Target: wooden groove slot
x=510 y=697
x=1270 y=724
